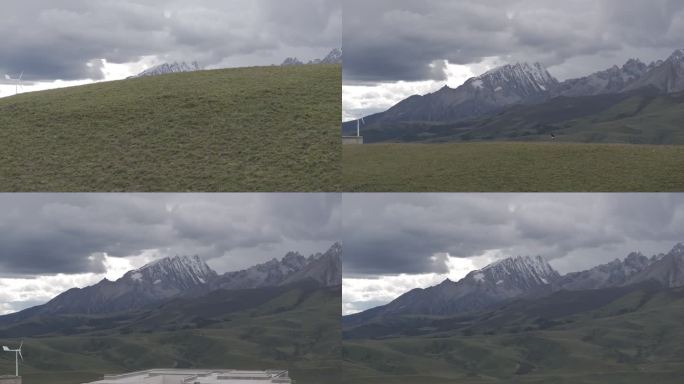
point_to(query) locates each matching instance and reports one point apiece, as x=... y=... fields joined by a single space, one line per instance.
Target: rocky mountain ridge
x=334 y=57
x=524 y=84
x=524 y=278
x=166 y=68
x=186 y=277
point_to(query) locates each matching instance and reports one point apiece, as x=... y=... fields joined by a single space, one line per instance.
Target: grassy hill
x=618 y=336
x=513 y=167
x=636 y=118
x=295 y=328
x=247 y=129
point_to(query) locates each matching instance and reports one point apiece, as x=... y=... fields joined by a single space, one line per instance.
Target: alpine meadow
x=244 y=129
x=513 y=288
x=606 y=105
x=177 y=289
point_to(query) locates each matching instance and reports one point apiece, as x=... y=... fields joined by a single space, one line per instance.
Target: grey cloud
x=393 y=40
x=68 y=39
x=51 y=234
x=393 y=234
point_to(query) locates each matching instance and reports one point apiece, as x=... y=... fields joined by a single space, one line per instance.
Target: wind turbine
x=17 y=355
x=16 y=82
x=16 y=92
x=358 y=126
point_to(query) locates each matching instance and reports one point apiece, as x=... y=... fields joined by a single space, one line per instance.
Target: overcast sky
x=397 y=242
x=396 y=48
x=54 y=242
x=69 y=42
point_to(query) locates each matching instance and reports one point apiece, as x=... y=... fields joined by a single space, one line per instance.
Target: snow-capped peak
x=521 y=79
x=521 y=71
x=167 y=68
x=534 y=270
x=184 y=269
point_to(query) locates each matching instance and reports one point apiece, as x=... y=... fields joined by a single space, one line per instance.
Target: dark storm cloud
x=50 y=234
x=67 y=39
x=391 y=40
x=393 y=234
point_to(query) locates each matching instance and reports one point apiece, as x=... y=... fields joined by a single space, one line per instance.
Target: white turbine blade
x=21 y=345
x=20 y=355
x=22 y=75
x=363 y=121
x=5 y=349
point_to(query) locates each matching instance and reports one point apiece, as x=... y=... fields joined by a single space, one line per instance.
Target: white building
x=198 y=376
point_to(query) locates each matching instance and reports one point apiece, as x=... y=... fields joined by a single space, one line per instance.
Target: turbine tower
x=16 y=92
x=358 y=126
x=17 y=355
x=18 y=82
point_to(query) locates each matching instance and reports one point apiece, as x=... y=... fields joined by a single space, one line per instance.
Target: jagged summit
x=665 y=269
x=334 y=57
x=518 y=85
x=290 y=61
x=323 y=268
x=291 y=268
x=522 y=80
x=490 y=92
x=188 y=277
x=185 y=271
x=615 y=273
x=530 y=270
x=526 y=277
x=167 y=68
x=612 y=80
x=532 y=77
x=506 y=279
x=677 y=249
x=677 y=55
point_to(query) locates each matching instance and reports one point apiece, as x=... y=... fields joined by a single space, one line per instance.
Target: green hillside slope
x=613 y=336
x=635 y=118
x=248 y=129
x=639 y=117
x=295 y=328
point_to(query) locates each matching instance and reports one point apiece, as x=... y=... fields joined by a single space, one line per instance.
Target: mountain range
x=334 y=57
x=525 y=278
x=519 y=90
x=177 y=312
x=618 y=322
x=185 y=277
x=166 y=68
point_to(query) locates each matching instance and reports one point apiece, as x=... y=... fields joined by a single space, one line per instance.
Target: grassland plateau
x=295 y=327
x=247 y=129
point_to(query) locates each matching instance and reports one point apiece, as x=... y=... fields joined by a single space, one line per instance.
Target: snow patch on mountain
x=530 y=78
x=185 y=270
x=166 y=68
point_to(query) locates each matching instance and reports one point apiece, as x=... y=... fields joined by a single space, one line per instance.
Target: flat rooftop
x=197 y=376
